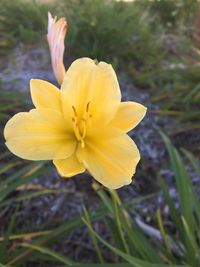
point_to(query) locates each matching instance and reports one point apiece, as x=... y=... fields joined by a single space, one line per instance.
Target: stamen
x=84 y=127
x=75 y=113
x=80 y=125
x=87 y=107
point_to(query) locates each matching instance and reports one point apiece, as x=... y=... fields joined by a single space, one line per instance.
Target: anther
x=87 y=107
x=75 y=113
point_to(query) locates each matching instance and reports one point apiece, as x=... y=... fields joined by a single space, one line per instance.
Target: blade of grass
x=7 y=167
x=113 y=225
x=29 y=195
x=138 y=240
x=162 y=230
x=182 y=181
x=173 y=211
x=14 y=185
x=18 y=174
x=104 y=197
x=185 y=194
x=3 y=247
x=49 y=252
x=136 y=234
x=116 y=202
x=193 y=160
x=26 y=235
x=21 y=255
x=113 y=231
x=93 y=237
x=192 y=241
x=192 y=93
x=134 y=261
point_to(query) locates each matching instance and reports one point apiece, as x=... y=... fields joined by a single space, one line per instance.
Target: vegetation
x=156 y=48
x=131 y=241
x=137 y=246
x=153 y=45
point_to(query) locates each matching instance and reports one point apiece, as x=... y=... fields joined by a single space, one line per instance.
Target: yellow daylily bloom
x=82 y=126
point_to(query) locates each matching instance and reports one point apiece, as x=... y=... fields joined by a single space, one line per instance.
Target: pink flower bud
x=55 y=36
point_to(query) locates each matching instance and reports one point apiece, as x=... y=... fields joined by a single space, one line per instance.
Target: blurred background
x=46 y=220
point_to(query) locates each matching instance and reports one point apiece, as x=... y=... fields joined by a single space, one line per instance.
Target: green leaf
x=29 y=195
x=134 y=261
x=4 y=193
x=138 y=240
x=185 y=192
x=192 y=241
x=18 y=174
x=51 y=253
x=93 y=237
x=3 y=247
x=195 y=162
x=173 y=211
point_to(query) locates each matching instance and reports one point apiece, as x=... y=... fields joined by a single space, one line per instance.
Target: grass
x=110 y=30
x=106 y=29
x=131 y=241
x=141 y=39
x=21 y=21
x=135 y=245
x=180 y=98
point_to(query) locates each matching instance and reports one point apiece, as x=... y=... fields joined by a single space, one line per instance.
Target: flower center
x=80 y=125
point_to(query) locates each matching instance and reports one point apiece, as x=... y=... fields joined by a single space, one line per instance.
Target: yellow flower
x=82 y=126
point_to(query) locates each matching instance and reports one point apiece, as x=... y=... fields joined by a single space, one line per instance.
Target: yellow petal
x=55 y=37
x=111 y=160
x=45 y=95
x=87 y=82
x=128 y=116
x=39 y=135
x=69 y=166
